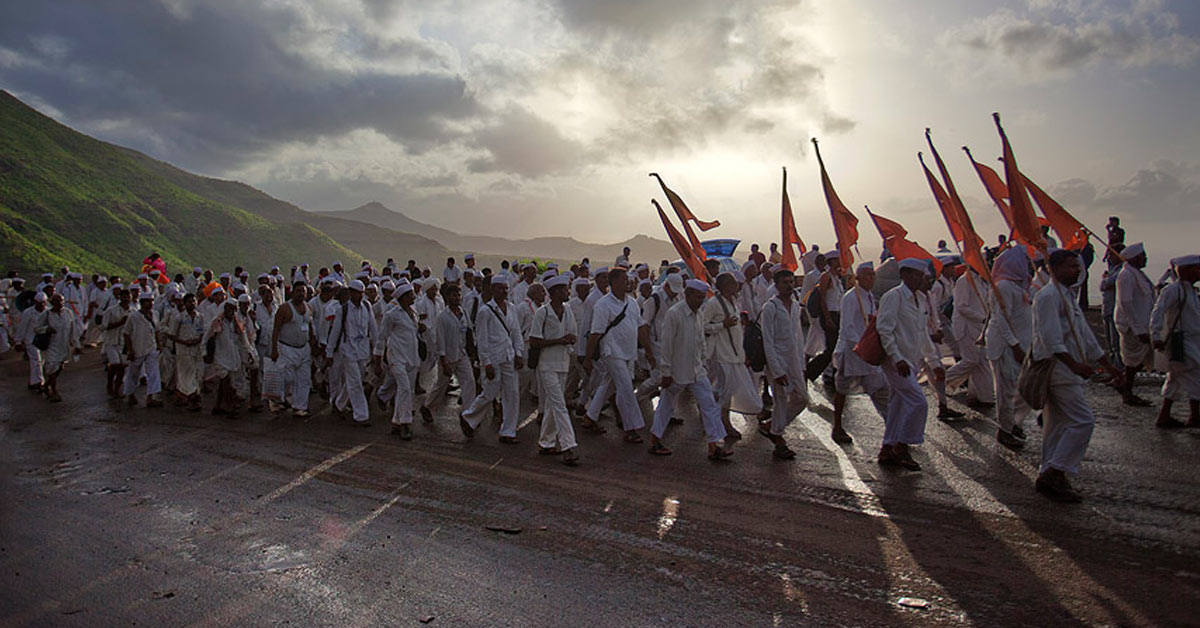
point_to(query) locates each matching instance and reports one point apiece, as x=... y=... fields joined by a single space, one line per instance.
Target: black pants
x=818 y=364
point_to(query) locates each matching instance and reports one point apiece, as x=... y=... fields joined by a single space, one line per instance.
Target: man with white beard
x=292 y=339
x=734 y=386
x=902 y=326
x=1175 y=328
x=682 y=355
x=501 y=353
x=853 y=374
x=398 y=341
x=350 y=337
x=552 y=333
x=970 y=314
x=1061 y=333
x=1009 y=336
x=783 y=344
x=1135 y=301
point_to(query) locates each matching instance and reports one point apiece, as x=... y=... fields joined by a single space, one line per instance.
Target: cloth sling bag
x=1033 y=384
x=869 y=347
x=613 y=323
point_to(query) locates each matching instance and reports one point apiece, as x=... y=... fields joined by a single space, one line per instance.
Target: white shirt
x=653 y=311
x=452 y=334
x=902 y=326
x=398 y=336
x=621 y=341
x=497 y=335
x=1059 y=326
x=548 y=326
x=783 y=337
x=113 y=315
x=518 y=292
x=353 y=337
x=724 y=343
x=1135 y=300
x=970 y=308
x=1012 y=324
x=682 y=342
x=1178 y=309
x=452 y=274
x=140 y=331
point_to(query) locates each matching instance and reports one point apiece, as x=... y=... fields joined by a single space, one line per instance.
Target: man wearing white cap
x=853 y=374
x=186 y=330
x=322 y=305
x=519 y=290
x=229 y=343
x=427 y=306
x=682 y=358
x=62 y=325
x=653 y=313
x=24 y=340
x=1135 y=301
x=99 y=298
x=970 y=314
x=552 y=334
x=1175 y=328
x=74 y=300
x=592 y=379
x=581 y=289
x=822 y=334
x=617 y=329
x=350 y=337
x=734 y=385
x=112 y=322
x=469 y=260
x=526 y=308
x=141 y=347
x=501 y=353
x=337 y=273
x=783 y=342
x=248 y=385
x=903 y=332
x=1009 y=337
x=398 y=341
x=1061 y=333
x=451 y=351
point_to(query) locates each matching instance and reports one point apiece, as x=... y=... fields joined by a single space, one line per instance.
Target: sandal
x=633 y=437
x=719 y=454
x=659 y=449
x=591 y=426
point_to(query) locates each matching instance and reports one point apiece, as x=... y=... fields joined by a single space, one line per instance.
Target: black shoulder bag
x=613 y=323
x=535 y=353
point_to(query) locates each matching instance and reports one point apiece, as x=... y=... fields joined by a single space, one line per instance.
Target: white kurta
x=902 y=324
x=553 y=365
x=498 y=338
x=682 y=358
x=783 y=342
x=1011 y=324
x=398 y=341
x=1135 y=300
x=1178 y=310
x=970 y=315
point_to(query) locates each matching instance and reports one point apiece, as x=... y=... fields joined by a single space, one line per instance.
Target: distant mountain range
x=69 y=199
x=559 y=248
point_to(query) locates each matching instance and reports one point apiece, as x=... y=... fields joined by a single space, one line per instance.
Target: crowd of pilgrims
x=749 y=342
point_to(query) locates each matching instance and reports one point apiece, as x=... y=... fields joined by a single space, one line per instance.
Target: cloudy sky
x=544 y=117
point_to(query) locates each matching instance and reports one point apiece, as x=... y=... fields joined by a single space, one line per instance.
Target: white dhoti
x=166 y=368
x=295 y=367
x=735 y=389
x=113 y=356
x=557 y=430
x=616 y=375
x=189 y=367
x=854 y=375
x=972 y=368
x=1134 y=352
x=36 y=376
x=147 y=364
x=1011 y=408
x=790 y=400
x=1067 y=422
x=504 y=387
x=710 y=412
x=904 y=421
x=1183 y=381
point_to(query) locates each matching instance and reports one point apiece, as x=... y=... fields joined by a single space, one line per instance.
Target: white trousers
x=557 y=430
x=972 y=368
x=188 y=369
x=405 y=379
x=295 y=367
x=461 y=371
x=616 y=375
x=907 y=408
x=1011 y=409
x=1067 y=422
x=504 y=386
x=143 y=363
x=350 y=387
x=710 y=412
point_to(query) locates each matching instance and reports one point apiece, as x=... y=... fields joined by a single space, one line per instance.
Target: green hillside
x=66 y=198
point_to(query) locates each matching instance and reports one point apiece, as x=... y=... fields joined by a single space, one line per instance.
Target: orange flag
x=790 y=236
x=897 y=243
x=972 y=244
x=1073 y=234
x=686 y=217
x=995 y=187
x=845 y=224
x=960 y=229
x=682 y=246
x=1025 y=224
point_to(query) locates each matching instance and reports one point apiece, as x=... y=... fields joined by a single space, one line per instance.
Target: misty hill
x=66 y=198
x=644 y=247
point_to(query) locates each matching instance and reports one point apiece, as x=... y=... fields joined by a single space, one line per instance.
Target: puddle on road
x=669 y=514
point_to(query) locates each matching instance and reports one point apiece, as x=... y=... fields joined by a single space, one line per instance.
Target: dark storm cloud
x=219 y=81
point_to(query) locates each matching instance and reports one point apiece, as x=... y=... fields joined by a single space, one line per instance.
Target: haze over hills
x=69 y=199
x=644 y=247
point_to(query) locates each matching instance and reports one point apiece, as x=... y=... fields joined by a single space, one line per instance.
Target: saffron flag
x=682 y=246
x=995 y=186
x=1072 y=233
x=972 y=244
x=845 y=224
x=896 y=241
x=686 y=217
x=961 y=230
x=790 y=236
x=1025 y=225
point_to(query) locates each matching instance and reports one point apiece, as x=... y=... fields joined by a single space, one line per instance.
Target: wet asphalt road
x=113 y=516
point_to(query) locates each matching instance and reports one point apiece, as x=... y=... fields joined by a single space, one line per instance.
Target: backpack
x=752 y=343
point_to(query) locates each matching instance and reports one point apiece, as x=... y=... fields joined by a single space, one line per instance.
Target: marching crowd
x=750 y=341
